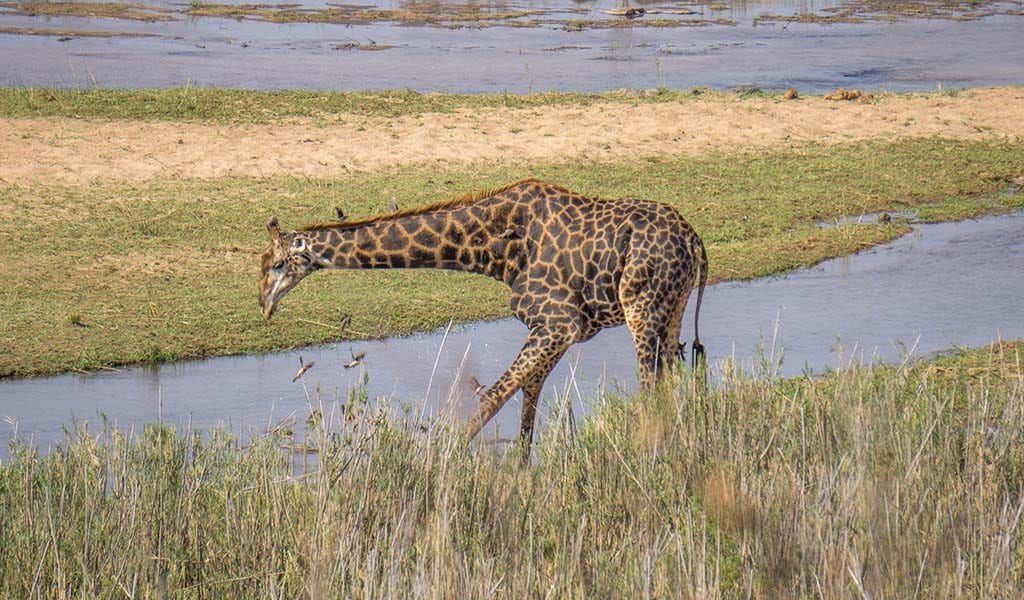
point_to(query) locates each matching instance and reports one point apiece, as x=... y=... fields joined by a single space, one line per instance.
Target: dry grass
x=872 y=482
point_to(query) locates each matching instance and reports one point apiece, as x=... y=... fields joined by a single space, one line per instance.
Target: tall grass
x=869 y=483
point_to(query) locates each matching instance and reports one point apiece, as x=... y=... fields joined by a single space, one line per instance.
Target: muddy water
x=943 y=285
x=908 y=55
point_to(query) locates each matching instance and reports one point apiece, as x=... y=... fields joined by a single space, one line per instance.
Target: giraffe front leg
x=531 y=393
x=541 y=351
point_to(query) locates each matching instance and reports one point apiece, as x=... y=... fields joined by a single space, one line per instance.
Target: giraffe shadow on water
x=575 y=265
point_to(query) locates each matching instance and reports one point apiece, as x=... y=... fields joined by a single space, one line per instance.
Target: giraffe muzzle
x=267 y=307
x=270 y=300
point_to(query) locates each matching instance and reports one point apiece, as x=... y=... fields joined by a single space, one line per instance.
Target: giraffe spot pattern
x=575 y=265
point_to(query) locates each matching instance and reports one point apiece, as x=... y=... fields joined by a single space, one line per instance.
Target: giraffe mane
x=455 y=202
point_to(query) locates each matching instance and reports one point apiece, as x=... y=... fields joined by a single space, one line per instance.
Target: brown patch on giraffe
x=44 y=150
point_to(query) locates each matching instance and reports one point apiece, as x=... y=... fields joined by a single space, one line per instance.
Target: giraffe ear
x=275 y=231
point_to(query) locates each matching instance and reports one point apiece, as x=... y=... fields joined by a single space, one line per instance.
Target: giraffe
x=575 y=265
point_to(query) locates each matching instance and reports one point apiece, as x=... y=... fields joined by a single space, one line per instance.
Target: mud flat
x=454 y=47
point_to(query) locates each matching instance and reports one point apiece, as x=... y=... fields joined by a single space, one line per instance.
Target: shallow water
x=910 y=55
x=942 y=285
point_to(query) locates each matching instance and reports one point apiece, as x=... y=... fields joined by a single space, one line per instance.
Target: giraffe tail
x=702 y=267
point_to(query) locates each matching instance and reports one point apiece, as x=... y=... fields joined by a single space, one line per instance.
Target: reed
x=882 y=482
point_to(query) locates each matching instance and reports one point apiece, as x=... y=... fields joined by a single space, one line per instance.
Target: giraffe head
x=286 y=261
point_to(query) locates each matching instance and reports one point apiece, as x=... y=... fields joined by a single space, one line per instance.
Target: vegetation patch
x=226 y=105
x=411 y=13
x=89 y=10
x=585 y=24
x=450 y=15
x=371 y=47
x=102 y=275
x=872 y=482
x=443 y=15
x=459 y=15
x=861 y=11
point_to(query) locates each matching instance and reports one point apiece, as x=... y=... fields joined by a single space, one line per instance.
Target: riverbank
x=880 y=482
x=111 y=261
x=77 y=137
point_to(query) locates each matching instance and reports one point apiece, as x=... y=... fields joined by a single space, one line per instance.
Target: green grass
x=224 y=105
x=871 y=482
x=110 y=274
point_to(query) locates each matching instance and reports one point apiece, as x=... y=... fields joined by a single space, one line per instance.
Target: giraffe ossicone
x=575 y=265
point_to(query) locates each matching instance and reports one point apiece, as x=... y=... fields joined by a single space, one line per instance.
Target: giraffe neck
x=474 y=239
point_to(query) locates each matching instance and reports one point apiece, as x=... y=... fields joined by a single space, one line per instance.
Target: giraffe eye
x=278 y=265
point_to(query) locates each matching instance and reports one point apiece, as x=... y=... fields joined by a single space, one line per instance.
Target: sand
x=82 y=151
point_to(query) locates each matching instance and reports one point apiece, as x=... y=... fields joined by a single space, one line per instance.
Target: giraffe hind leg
x=672 y=347
x=675 y=350
x=656 y=332
x=648 y=332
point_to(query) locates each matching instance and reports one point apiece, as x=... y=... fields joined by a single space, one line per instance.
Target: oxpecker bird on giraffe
x=575 y=265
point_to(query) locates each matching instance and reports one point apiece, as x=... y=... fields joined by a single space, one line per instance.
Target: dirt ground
x=76 y=151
